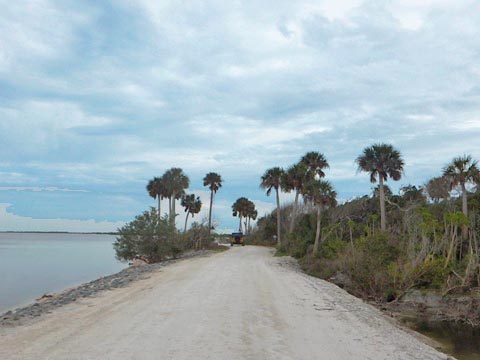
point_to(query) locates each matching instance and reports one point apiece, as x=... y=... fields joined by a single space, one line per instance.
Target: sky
x=97 y=97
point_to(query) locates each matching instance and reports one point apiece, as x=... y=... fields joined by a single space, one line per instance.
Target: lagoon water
x=33 y=264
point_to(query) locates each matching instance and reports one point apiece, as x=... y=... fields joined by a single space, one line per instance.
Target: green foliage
x=368 y=264
x=281 y=252
x=425 y=244
x=147 y=237
x=331 y=248
x=303 y=236
x=377 y=249
x=456 y=218
x=434 y=273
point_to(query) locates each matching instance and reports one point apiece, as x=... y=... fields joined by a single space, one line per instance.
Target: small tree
x=147 y=237
x=438 y=188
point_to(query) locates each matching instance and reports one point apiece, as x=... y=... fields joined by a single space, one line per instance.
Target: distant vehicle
x=237 y=238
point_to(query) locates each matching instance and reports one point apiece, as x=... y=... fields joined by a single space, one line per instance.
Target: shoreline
x=49 y=302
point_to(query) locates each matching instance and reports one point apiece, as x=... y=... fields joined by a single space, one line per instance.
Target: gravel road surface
x=240 y=304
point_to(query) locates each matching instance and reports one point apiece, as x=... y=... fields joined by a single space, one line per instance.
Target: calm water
x=35 y=264
x=459 y=340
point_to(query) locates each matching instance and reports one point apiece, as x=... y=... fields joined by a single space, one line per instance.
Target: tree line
x=172 y=185
x=382 y=241
x=152 y=236
x=244 y=209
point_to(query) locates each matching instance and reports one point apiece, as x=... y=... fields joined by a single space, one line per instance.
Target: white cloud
x=232 y=86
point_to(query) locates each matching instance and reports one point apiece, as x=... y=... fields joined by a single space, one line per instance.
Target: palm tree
x=240 y=208
x=214 y=182
x=156 y=190
x=272 y=179
x=251 y=214
x=460 y=172
x=321 y=194
x=293 y=180
x=381 y=161
x=192 y=206
x=175 y=182
x=315 y=163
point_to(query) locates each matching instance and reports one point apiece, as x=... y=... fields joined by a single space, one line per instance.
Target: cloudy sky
x=97 y=97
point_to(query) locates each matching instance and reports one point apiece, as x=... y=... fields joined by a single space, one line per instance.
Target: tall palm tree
x=192 y=206
x=175 y=182
x=294 y=179
x=272 y=179
x=251 y=214
x=240 y=208
x=381 y=161
x=316 y=163
x=156 y=190
x=214 y=183
x=321 y=194
x=460 y=172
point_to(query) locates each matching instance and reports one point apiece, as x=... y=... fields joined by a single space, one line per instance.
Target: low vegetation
x=381 y=245
x=154 y=237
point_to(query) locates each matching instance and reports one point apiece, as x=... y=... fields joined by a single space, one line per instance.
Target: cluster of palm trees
x=381 y=161
x=245 y=210
x=305 y=179
x=172 y=185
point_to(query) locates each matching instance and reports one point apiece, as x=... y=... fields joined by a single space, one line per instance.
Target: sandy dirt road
x=240 y=304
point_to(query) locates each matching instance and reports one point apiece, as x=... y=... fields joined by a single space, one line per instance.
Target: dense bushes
x=153 y=239
x=423 y=246
x=149 y=238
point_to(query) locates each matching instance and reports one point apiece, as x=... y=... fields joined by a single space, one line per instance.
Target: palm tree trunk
x=170 y=209
x=159 y=208
x=279 y=242
x=464 y=210
x=248 y=227
x=294 y=212
x=210 y=213
x=240 y=223
x=383 y=220
x=186 y=219
x=317 y=234
x=174 y=215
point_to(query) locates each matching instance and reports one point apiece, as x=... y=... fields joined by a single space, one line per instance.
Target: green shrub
x=303 y=236
x=368 y=266
x=433 y=273
x=331 y=248
x=149 y=238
